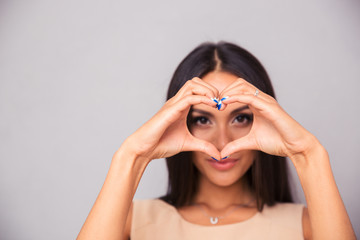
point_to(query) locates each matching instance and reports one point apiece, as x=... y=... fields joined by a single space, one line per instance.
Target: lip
x=223 y=165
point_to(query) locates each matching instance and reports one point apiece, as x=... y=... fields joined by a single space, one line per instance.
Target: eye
x=243 y=118
x=200 y=120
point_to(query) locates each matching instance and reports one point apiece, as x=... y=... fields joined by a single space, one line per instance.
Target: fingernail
x=215 y=100
x=214 y=159
x=225 y=157
x=219 y=102
x=224 y=98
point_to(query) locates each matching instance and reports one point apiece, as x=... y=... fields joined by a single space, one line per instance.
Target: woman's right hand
x=166 y=133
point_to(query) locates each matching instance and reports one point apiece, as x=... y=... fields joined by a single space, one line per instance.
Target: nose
x=222 y=137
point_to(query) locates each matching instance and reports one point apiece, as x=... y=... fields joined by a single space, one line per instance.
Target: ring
x=256 y=93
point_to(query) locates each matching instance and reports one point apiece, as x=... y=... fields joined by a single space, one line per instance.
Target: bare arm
x=108 y=216
x=164 y=135
x=275 y=132
x=327 y=213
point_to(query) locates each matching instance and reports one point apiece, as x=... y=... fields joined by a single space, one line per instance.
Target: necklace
x=215 y=220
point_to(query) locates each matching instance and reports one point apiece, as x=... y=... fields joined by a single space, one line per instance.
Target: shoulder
x=150 y=211
x=153 y=219
x=145 y=203
x=285 y=217
x=283 y=209
x=295 y=215
x=149 y=206
x=140 y=212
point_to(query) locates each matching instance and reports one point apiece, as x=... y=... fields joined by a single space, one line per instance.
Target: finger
x=232 y=85
x=250 y=100
x=241 y=86
x=221 y=106
x=270 y=110
x=170 y=113
x=245 y=88
x=202 y=146
x=190 y=100
x=194 y=87
x=244 y=143
x=200 y=81
x=175 y=110
x=238 y=82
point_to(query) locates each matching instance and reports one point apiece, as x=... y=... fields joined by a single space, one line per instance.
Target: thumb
x=196 y=144
x=244 y=143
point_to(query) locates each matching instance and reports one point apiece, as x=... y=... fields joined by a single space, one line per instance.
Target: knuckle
x=241 y=80
x=273 y=100
x=188 y=99
x=203 y=147
x=170 y=101
x=252 y=99
x=188 y=82
x=241 y=84
x=232 y=148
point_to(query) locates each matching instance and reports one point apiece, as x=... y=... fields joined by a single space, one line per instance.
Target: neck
x=222 y=197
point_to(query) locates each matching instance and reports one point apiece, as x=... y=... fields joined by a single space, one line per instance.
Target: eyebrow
x=209 y=114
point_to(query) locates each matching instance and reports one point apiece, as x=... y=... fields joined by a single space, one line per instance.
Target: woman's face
x=220 y=128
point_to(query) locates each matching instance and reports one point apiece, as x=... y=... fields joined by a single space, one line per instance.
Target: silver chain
x=215 y=220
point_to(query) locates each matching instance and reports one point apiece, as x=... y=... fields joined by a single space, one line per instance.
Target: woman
x=225 y=138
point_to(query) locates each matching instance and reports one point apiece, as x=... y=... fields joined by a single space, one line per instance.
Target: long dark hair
x=268 y=177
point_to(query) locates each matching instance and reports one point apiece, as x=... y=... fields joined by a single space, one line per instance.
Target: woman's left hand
x=273 y=131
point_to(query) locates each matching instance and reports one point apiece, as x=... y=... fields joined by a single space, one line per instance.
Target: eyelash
x=248 y=118
x=195 y=120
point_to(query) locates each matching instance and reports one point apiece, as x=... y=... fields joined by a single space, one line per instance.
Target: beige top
x=156 y=219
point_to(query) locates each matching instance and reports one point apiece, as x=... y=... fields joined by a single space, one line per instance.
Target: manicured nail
x=225 y=157
x=219 y=102
x=224 y=98
x=214 y=159
x=215 y=100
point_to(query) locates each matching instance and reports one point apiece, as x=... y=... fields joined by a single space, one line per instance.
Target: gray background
x=77 y=77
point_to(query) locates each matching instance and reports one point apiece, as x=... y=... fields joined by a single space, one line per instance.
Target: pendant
x=214 y=220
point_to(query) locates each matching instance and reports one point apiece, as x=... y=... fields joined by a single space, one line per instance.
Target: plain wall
x=77 y=77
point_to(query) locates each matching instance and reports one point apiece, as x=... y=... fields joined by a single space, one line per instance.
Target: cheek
x=240 y=131
x=207 y=134
x=197 y=158
x=249 y=159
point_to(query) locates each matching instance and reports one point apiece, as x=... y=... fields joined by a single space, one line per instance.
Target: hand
x=273 y=130
x=166 y=133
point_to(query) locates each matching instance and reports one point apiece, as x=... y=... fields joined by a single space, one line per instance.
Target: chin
x=224 y=179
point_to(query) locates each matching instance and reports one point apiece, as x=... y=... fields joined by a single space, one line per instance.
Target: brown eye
x=200 y=120
x=244 y=118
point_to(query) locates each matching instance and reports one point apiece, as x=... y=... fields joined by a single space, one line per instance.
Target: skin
x=220 y=191
x=272 y=131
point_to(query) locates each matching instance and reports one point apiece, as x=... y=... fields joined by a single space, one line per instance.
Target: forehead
x=219 y=80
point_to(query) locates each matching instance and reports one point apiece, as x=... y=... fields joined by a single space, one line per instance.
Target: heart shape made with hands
x=219 y=105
